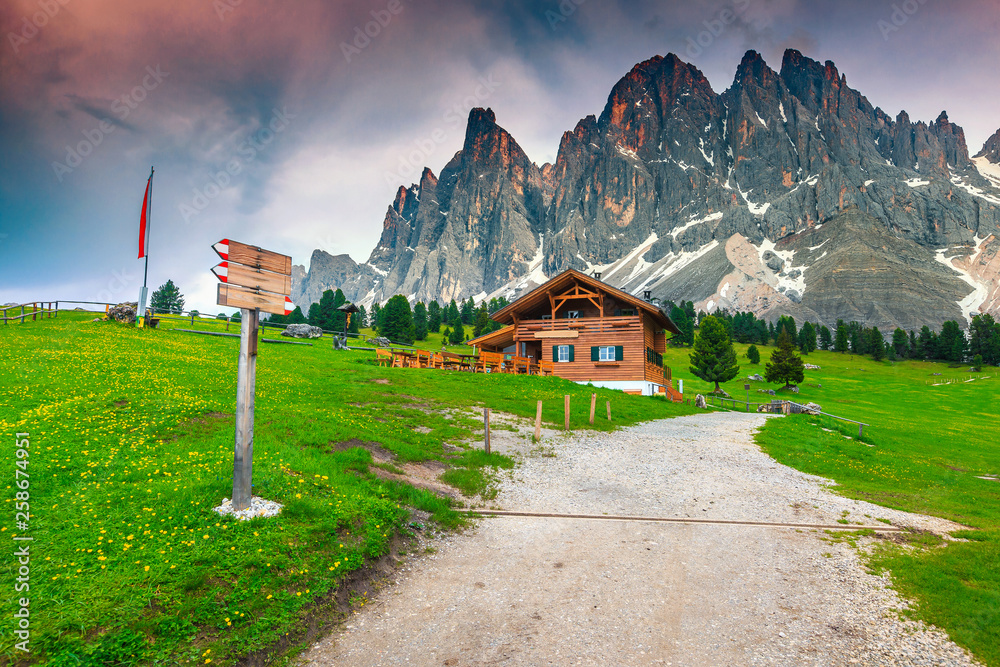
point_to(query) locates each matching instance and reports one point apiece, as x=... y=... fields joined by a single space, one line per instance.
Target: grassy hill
x=131 y=446
x=930 y=444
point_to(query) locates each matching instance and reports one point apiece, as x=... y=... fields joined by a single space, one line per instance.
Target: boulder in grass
x=813 y=408
x=302 y=331
x=123 y=312
x=756 y=377
x=700 y=402
x=812 y=367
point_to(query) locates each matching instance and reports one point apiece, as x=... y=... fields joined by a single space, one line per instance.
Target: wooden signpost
x=252 y=279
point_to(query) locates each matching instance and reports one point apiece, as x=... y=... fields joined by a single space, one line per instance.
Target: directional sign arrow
x=222 y=248
x=268 y=281
x=241 y=297
x=253 y=257
x=221 y=270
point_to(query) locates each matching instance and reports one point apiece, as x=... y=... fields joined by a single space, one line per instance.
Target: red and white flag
x=144 y=220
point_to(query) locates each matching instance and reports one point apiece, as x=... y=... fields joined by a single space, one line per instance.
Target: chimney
x=646 y=295
x=597 y=275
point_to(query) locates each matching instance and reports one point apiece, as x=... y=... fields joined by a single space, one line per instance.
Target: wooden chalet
x=590 y=331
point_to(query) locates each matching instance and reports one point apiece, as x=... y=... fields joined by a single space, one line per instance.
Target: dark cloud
x=361 y=100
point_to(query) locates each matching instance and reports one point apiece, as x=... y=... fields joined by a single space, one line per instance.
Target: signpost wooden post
x=252 y=279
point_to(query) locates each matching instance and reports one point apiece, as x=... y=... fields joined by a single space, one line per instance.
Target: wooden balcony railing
x=526 y=329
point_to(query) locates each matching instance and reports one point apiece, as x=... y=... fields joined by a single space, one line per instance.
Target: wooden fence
x=52 y=310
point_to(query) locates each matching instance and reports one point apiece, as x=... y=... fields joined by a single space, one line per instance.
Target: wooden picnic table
x=463 y=361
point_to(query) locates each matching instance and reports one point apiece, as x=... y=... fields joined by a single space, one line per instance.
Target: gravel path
x=543 y=591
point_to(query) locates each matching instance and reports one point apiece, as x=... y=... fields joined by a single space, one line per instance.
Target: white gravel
x=258 y=508
x=538 y=591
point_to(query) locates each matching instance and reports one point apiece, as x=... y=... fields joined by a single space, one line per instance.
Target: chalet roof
x=499 y=338
x=565 y=280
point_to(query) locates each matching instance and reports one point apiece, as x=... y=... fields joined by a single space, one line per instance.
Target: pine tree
x=951 y=343
x=876 y=344
x=373 y=316
x=785 y=366
x=925 y=343
x=984 y=339
x=679 y=317
x=841 y=343
x=753 y=354
x=468 y=311
x=900 y=343
x=314 y=315
x=420 y=321
x=454 y=316
x=825 y=339
x=397 y=321
x=434 y=317
x=713 y=358
x=457 y=335
x=913 y=352
x=807 y=338
x=482 y=322
x=788 y=322
x=167 y=298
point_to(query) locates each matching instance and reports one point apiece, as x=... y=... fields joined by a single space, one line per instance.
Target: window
x=573 y=314
x=562 y=353
x=607 y=353
x=546 y=317
x=627 y=313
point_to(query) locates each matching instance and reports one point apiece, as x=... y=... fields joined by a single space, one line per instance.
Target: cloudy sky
x=289 y=125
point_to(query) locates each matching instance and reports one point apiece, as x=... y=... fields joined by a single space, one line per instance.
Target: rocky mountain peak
x=753 y=68
x=991 y=149
x=788 y=193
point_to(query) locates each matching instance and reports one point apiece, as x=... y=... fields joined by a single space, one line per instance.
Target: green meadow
x=131 y=446
x=925 y=450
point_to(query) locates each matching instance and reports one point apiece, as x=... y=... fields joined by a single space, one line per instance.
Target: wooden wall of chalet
x=582 y=369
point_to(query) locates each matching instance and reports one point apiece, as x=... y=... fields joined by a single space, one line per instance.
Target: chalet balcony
x=537 y=329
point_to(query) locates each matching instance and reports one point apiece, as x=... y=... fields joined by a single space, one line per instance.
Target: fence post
x=538 y=422
x=566 y=413
x=861 y=428
x=593 y=404
x=22 y=314
x=192 y=319
x=57 y=310
x=34 y=312
x=609 y=410
x=486 y=424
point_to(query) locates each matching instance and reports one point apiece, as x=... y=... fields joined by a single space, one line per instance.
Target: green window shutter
x=595 y=354
x=570 y=352
x=619 y=352
x=555 y=353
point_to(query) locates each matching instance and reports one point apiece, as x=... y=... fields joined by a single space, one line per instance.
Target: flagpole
x=140 y=315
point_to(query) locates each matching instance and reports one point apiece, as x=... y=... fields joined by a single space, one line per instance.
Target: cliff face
x=788 y=192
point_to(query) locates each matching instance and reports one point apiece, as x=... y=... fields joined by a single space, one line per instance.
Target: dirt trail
x=553 y=591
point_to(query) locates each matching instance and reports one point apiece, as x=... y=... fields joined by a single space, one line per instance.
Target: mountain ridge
x=651 y=192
